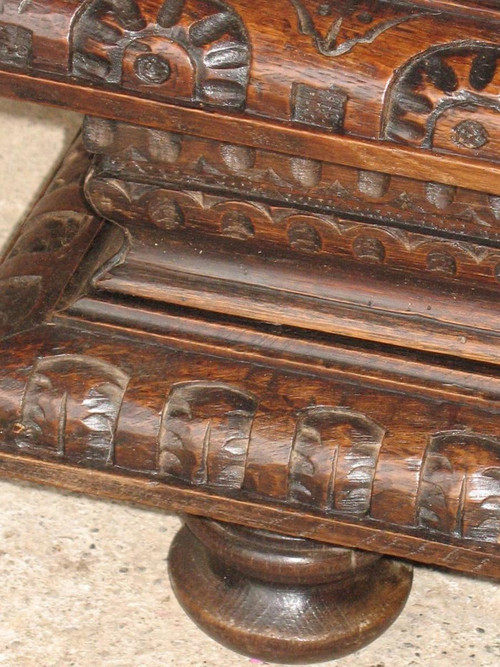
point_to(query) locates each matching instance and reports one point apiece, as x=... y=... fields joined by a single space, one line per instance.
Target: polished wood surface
x=299 y=600
x=388 y=75
x=269 y=298
x=247 y=412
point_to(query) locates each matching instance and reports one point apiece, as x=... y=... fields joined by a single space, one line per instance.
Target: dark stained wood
x=394 y=159
x=213 y=245
x=269 y=298
x=430 y=67
x=280 y=598
x=217 y=55
x=39 y=261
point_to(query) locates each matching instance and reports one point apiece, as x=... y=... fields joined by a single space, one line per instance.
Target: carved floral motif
x=117 y=42
x=460 y=76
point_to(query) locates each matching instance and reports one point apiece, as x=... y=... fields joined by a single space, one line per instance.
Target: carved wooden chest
x=262 y=290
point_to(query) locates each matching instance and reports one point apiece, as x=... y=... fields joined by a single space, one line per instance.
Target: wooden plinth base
x=280 y=598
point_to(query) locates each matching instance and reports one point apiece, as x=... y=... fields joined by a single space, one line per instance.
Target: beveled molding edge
x=275 y=518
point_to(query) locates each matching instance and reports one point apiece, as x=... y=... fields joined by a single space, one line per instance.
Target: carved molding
x=37 y=264
x=128 y=153
x=336 y=460
x=305 y=232
x=365 y=68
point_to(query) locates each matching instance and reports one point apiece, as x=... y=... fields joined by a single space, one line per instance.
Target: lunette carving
x=115 y=42
x=199 y=52
x=70 y=406
x=71 y=410
x=432 y=83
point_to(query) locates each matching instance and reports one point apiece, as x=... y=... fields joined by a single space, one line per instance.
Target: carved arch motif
x=462 y=76
x=198 y=50
x=333 y=459
x=71 y=406
x=205 y=433
x=459 y=489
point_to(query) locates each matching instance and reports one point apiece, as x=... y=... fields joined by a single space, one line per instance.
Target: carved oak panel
x=130 y=157
x=334 y=445
x=432 y=58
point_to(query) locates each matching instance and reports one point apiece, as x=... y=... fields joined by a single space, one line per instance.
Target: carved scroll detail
x=205 y=433
x=328 y=44
x=459 y=491
x=333 y=459
x=71 y=406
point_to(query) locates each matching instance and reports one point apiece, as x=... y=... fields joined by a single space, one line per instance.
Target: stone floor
x=84 y=582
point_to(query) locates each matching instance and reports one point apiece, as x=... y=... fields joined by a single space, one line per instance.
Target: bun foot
x=283 y=599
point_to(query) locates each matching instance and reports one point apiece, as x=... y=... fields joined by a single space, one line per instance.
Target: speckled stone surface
x=84 y=582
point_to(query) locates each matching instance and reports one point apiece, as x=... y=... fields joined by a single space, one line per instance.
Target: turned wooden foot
x=280 y=598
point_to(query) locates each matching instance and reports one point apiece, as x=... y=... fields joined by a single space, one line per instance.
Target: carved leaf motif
x=71 y=405
x=205 y=433
x=459 y=484
x=333 y=460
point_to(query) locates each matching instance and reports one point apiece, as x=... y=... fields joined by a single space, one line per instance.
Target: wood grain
x=270 y=297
